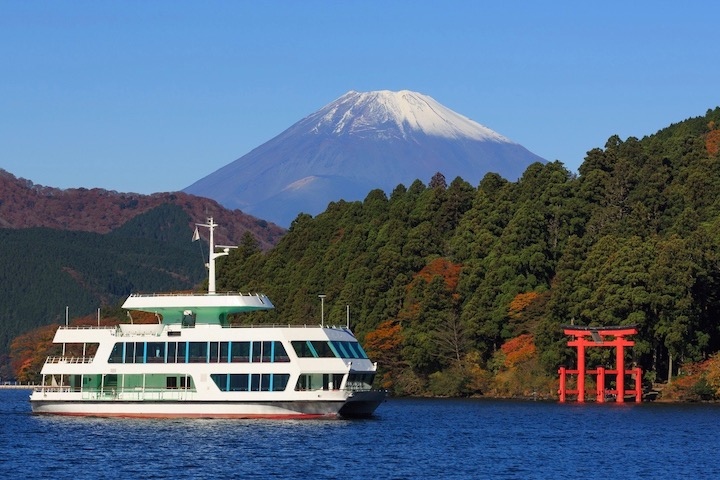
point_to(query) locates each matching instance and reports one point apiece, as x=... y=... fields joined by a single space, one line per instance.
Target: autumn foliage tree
x=28 y=353
x=383 y=345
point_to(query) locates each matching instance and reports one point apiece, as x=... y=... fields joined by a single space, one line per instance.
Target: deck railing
x=196 y=294
x=127 y=394
x=86 y=327
x=69 y=359
x=269 y=325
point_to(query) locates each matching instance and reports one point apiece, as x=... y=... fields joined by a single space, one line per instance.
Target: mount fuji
x=360 y=142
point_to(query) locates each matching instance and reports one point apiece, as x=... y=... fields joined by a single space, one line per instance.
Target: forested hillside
x=45 y=270
x=458 y=289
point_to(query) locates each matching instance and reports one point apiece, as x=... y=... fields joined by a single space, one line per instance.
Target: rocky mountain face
x=360 y=142
x=25 y=205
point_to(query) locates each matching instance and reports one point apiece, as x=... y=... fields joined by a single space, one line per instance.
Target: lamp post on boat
x=322 y=309
x=67 y=318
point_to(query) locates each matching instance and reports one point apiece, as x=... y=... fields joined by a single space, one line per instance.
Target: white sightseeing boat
x=193 y=363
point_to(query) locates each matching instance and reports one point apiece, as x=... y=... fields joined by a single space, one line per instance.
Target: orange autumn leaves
x=385 y=343
x=29 y=350
x=712 y=140
x=450 y=272
x=518 y=350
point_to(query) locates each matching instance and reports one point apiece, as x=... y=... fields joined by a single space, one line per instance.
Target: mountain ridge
x=27 y=205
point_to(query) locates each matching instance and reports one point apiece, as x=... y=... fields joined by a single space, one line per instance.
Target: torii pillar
x=583 y=337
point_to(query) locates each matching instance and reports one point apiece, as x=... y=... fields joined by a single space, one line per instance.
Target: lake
x=407 y=439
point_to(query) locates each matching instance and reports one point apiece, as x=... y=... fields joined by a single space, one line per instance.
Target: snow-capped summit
x=375 y=113
x=357 y=143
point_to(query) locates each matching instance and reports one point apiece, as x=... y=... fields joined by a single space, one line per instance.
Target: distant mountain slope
x=26 y=205
x=43 y=270
x=90 y=248
x=357 y=143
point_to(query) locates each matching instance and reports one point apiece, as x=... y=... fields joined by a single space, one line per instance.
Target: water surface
x=407 y=439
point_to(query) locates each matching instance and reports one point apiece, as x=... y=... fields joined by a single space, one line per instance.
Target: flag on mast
x=196 y=235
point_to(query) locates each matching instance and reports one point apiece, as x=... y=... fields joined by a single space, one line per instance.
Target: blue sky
x=150 y=96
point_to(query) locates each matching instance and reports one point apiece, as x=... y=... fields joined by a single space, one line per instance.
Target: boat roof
x=221 y=302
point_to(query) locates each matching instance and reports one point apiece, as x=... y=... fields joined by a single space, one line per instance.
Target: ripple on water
x=408 y=439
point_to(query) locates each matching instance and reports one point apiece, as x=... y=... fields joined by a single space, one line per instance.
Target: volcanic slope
x=360 y=142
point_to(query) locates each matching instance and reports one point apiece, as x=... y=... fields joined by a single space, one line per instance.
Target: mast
x=213 y=255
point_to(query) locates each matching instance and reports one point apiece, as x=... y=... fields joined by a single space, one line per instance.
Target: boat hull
x=359 y=405
x=362 y=404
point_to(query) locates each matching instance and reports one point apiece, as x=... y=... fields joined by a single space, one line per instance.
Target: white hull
x=360 y=404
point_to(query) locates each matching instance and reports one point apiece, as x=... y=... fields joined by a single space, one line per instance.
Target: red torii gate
x=598 y=337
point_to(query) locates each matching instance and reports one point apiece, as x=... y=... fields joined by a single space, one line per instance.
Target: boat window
x=323 y=349
x=182 y=352
x=156 y=352
x=316 y=381
x=139 y=352
x=110 y=380
x=267 y=351
x=239 y=383
x=130 y=352
x=214 y=352
x=352 y=353
x=171 y=383
x=221 y=380
x=360 y=349
x=302 y=349
x=256 y=351
x=360 y=381
x=255 y=382
x=279 y=354
x=116 y=354
x=171 y=352
x=280 y=381
x=244 y=382
x=303 y=382
x=313 y=349
x=348 y=350
x=198 y=352
x=240 y=351
x=339 y=346
x=224 y=351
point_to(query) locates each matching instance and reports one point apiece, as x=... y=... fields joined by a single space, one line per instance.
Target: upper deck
x=189 y=308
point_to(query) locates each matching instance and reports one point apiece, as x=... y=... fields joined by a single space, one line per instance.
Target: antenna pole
x=212 y=256
x=211 y=268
